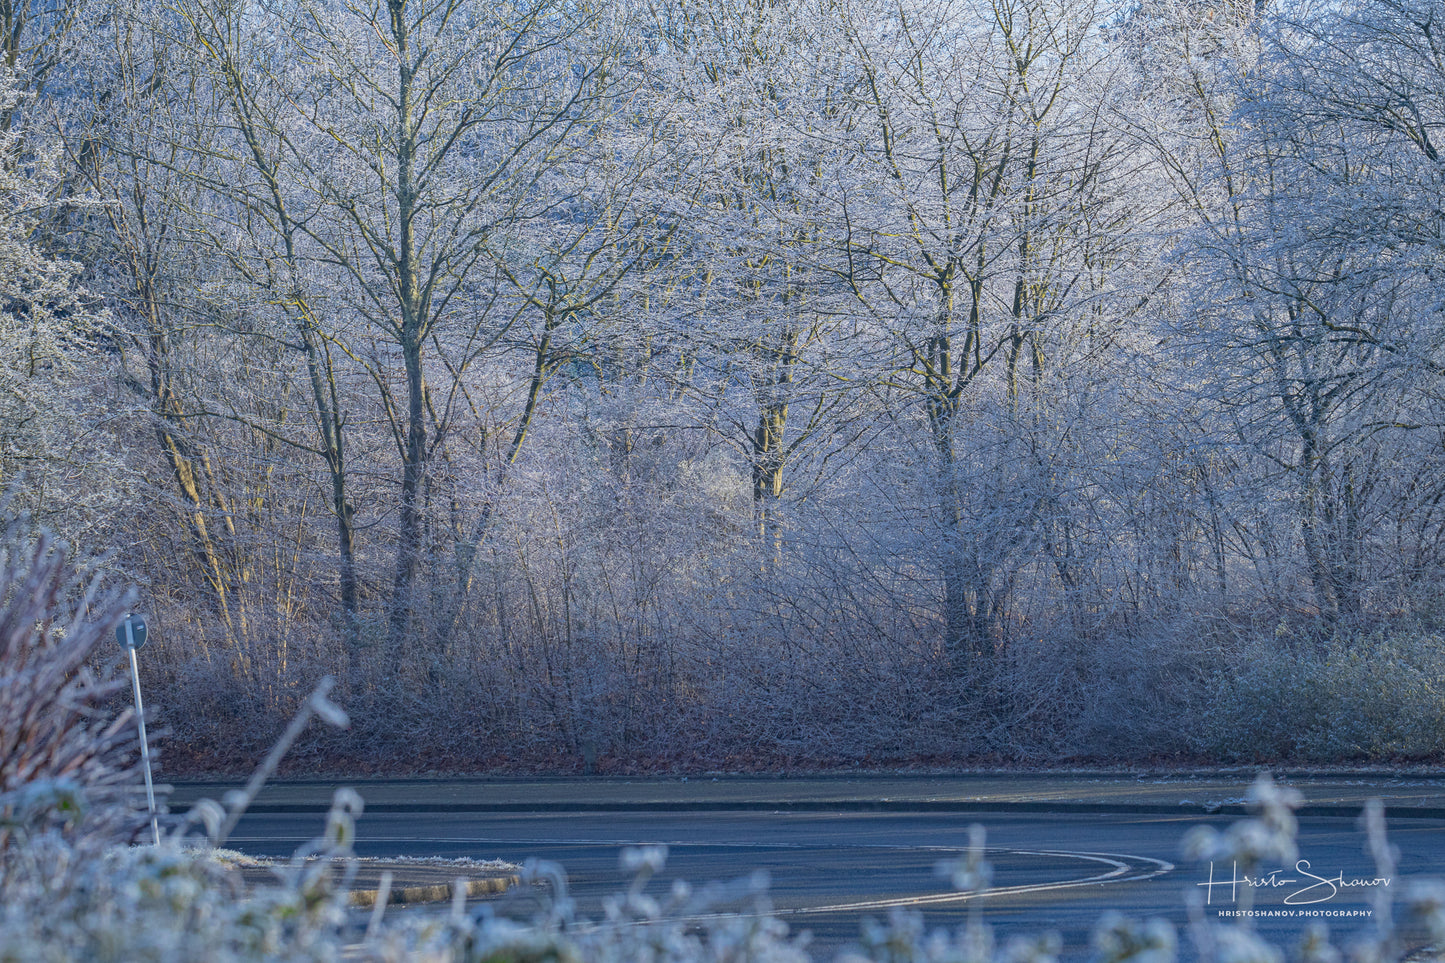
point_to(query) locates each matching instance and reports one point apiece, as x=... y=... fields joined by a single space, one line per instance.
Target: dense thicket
x=734 y=382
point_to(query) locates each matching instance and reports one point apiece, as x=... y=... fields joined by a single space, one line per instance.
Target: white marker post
x=131 y=633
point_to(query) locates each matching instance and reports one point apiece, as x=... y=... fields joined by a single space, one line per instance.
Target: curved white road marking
x=1118 y=866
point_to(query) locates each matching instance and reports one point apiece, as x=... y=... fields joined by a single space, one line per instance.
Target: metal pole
x=140 y=718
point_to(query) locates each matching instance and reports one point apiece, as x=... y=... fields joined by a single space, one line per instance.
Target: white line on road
x=1118 y=864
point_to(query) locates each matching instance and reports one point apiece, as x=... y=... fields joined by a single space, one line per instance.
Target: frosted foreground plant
x=169 y=904
x=1270 y=836
x=66 y=760
x=685 y=927
x=68 y=766
x=69 y=897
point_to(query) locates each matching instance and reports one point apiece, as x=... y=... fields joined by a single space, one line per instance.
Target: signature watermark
x=1304 y=888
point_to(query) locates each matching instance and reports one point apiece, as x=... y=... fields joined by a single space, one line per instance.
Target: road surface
x=830 y=870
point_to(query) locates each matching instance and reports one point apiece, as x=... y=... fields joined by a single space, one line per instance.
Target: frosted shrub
x=1118 y=939
x=74 y=897
x=67 y=756
x=168 y=904
x=1371 y=697
x=684 y=926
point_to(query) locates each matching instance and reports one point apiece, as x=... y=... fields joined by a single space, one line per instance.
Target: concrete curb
x=436 y=893
x=852 y=805
x=1221 y=794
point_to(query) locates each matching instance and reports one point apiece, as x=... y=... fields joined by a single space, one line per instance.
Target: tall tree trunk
x=769 y=455
x=329 y=422
x=413 y=324
x=409 y=528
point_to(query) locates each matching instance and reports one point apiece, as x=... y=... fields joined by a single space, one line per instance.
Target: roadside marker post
x=131 y=634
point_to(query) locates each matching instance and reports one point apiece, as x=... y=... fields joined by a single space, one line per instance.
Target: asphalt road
x=829 y=870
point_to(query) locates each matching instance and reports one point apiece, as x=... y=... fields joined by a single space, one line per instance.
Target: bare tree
x=389 y=145
x=981 y=216
x=760 y=85
x=1308 y=320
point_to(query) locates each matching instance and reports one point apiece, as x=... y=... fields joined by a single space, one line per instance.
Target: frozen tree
x=48 y=325
x=760 y=86
x=386 y=149
x=572 y=261
x=985 y=216
x=1311 y=321
x=116 y=124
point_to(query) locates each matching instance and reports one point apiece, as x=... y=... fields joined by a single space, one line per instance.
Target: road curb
x=434 y=893
x=853 y=805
